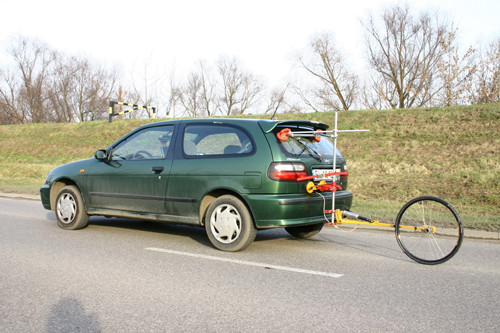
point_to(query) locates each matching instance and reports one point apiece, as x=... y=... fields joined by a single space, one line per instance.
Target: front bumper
x=272 y=211
x=45 y=196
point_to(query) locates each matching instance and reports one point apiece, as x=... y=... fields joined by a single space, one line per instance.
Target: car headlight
x=49 y=179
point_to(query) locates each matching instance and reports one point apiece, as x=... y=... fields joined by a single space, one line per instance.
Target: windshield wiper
x=317 y=156
x=320 y=158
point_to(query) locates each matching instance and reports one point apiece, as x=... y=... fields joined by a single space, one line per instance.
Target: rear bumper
x=272 y=211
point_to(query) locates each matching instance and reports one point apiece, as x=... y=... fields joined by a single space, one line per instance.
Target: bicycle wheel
x=429 y=230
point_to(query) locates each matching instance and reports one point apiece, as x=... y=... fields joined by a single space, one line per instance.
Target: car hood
x=70 y=170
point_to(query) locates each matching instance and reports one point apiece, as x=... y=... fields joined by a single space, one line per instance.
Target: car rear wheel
x=229 y=225
x=70 y=209
x=305 y=231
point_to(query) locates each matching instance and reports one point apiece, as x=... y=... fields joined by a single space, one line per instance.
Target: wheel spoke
x=434 y=244
x=423 y=213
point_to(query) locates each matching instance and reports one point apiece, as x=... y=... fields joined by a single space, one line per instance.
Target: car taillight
x=345 y=170
x=286 y=171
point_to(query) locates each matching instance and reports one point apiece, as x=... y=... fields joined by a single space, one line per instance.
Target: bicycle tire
x=429 y=230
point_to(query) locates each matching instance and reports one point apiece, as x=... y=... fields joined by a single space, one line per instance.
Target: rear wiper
x=320 y=158
x=317 y=156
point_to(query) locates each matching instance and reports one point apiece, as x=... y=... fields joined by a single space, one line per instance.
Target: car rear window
x=307 y=146
x=216 y=140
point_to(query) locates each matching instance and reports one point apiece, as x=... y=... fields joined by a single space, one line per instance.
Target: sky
x=174 y=36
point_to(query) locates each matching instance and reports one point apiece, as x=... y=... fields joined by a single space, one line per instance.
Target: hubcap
x=66 y=208
x=225 y=223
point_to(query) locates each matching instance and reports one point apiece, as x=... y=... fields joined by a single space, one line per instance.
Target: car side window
x=149 y=144
x=216 y=140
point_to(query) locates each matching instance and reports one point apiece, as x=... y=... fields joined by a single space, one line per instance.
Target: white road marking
x=244 y=262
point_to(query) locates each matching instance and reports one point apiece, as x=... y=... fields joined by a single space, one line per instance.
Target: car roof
x=266 y=125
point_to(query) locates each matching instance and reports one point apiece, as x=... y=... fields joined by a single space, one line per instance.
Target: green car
x=232 y=176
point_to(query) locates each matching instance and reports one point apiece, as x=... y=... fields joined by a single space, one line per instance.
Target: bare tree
x=173 y=95
x=370 y=95
x=25 y=93
x=145 y=89
x=45 y=85
x=63 y=88
x=485 y=87
x=337 y=86
x=11 y=108
x=190 y=95
x=281 y=102
x=455 y=73
x=276 y=101
x=80 y=90
x=404 y=55
x=240 y=90
x=208 y=91
x=198 y=96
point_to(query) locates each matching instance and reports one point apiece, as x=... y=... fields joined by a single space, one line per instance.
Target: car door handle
x=157 y=169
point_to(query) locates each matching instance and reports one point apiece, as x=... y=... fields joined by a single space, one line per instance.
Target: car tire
x=229 y=225
x=305 y=231
x=70 y=209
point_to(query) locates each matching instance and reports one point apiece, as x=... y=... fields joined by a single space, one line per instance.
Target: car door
x=210 y=155
x=135 y=176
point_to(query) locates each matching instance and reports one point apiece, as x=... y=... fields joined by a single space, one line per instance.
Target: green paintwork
x=173 y=187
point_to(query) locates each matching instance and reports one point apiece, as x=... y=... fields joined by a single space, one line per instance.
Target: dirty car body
x=232 y=176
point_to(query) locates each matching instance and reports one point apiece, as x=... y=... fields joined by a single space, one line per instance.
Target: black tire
x=229 y=225
x=70 y=209
x=440 y=232
x=305 y=231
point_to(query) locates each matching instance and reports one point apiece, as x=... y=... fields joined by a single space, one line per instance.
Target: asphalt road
x=130 y=276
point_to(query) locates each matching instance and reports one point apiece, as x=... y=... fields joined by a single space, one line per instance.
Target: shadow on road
x=68 y=315
x=196 y=233
x=362 y=240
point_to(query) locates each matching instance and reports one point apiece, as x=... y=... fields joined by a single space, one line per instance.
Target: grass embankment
x=448 y=152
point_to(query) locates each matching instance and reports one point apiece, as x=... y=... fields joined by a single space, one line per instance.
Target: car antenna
x=282 y=97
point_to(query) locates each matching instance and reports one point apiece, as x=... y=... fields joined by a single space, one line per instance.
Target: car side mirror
x=101 y=155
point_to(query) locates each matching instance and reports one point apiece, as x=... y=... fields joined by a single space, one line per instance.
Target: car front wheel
x=70 y=209
x=229 y=225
